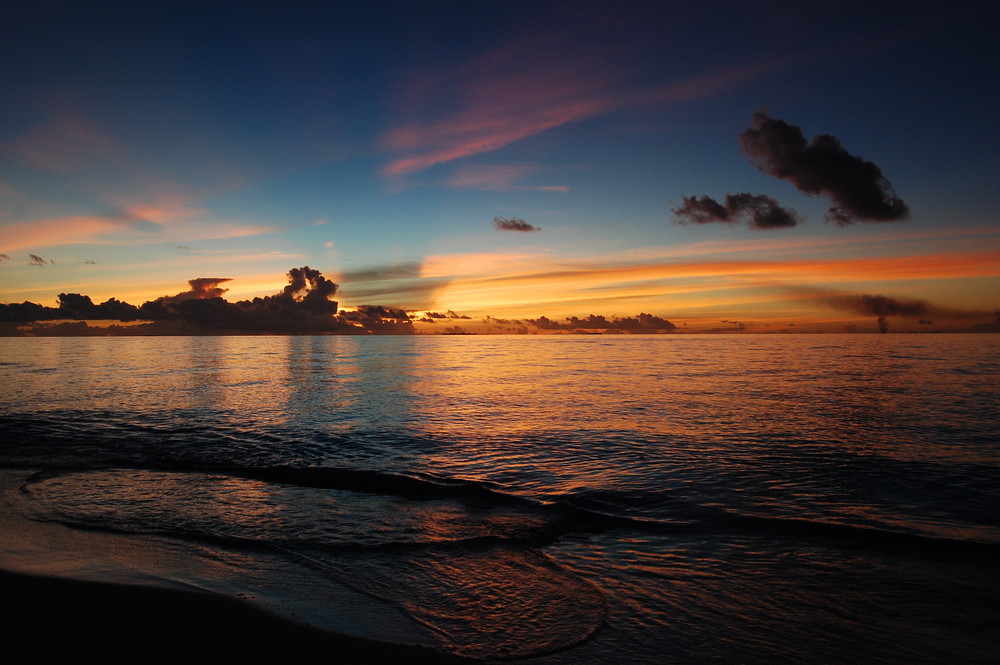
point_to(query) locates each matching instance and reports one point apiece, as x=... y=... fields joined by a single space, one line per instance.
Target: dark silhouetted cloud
x=201 y=288
x=35 y=260
x=643 y=323
x=381 y=320
x=857 y=188
x=400 y=284
x=883 y=307
x=304 y=306
x=80 y=307
x=404 y=270
x=513 y=224
x=4 y=257
x=758 y=211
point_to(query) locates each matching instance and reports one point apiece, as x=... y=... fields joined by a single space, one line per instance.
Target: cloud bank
x=643 y=323
x=304 y=306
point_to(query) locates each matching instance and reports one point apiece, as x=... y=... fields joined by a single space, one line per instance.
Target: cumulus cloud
x=201 y=287
x=304 y=306
x=380 y=319
x=857 y=187
x=513 y=224
x=643 y=323
x=758 y=211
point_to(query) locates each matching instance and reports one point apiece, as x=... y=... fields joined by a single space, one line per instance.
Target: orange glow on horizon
x=536 y=285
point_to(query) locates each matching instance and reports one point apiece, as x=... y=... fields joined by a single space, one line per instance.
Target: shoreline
x=59 y=620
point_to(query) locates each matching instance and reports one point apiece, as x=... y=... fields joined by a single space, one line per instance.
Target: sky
x=759 y=164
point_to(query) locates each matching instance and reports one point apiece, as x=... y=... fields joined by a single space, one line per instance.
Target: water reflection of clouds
x=349 y=384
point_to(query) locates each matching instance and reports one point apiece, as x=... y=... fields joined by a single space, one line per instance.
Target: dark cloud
x=857 y=188
x=404 y=270
x=513 y=224
x=883 y=307
x=400 y=284
x=201 y=288
x=80 y=307
x=381 y=320
x=35 y=260
x=304 y=306
x=4 y=257
x=643 y=323
x=758 y=211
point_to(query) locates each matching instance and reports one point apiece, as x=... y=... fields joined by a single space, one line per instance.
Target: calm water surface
x=561 y=499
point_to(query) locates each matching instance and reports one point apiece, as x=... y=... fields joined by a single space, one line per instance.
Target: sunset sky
x=144 y=146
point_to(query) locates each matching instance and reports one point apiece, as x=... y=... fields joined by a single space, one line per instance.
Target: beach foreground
x=759 y=500
x=56 y=620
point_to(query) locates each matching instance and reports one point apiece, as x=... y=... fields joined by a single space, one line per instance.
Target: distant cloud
x=403 y=270
x=499 y=177
x=448 y=315
x=91 y=262
x=857 y=188
x=643 y=323
x=757 y=210
x=4 y=257
x=513 y=224
x=304 y=305
x=35 y=260
x=201 y=287
x=398 y=284
x=882 y=307
x=380 y=320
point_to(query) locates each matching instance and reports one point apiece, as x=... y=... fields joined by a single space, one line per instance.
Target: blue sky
x=145 y=146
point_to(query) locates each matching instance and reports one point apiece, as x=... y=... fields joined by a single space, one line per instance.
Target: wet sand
x=55 y=620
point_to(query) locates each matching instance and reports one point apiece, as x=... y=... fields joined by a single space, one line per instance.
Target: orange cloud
x=118 y=230
x=529 y=283
x=57 y=231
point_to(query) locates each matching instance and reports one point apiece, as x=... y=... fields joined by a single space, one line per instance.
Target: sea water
x=559 y=499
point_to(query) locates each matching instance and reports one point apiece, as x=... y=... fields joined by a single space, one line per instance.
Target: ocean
x=548 y=499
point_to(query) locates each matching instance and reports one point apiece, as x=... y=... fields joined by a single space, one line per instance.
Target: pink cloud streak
x=523 y=90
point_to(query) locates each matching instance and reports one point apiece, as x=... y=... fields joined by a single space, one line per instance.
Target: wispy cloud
x=118 y=230
x=499 y=177
x=528 y=86
x=66 y=142
x=524 y=283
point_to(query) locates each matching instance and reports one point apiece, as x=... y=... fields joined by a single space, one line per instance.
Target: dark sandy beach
x=52 y=620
